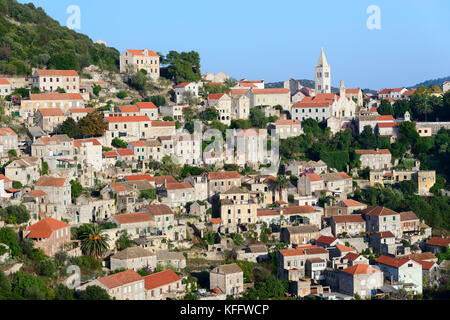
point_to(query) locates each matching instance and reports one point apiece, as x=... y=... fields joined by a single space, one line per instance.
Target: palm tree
x=93 y=241
x=281 y=183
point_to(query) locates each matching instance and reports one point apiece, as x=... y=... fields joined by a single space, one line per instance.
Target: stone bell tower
x=323 y=75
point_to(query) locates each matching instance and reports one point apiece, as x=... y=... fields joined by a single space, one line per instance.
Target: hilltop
x=30 y=38
x=428 y=83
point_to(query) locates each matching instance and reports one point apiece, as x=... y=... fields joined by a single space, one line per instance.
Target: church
x=338 y=109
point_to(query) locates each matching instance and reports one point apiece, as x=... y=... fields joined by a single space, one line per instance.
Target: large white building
x=52 y=80
x=136 y=60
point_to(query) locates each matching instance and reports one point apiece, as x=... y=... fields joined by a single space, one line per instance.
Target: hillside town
x=133 y=186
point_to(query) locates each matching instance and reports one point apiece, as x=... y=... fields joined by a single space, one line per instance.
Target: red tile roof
x=182 y=85
x=128 y=109
x=343 y=248
x=304 y=250
x=159 y=180
x=215 y=221
x=178 y=186
x=326 y=240
x=360 y=269
x=379 y=211
x=118 y=187
x=393 y=262
x=426 y=265
x=50 y=182
x=4 y=81
x=142 y=52
x=159 y=209
x=82 y=110
x=385 y=118
x=387 y=91
x=132 y=218
x=388 y=125
x=5 y=178
x=56 y=73
x=344 y=175
x=408 y=216
x=385 y=234
x=351 y=218
x=163 y=124
x=146 y=105
x=127 y=119
x=224 y=175
x=352 y=203
x=380 y=151
x=313 y=177
x=351 y=256
x=120 y=279
x=298 y=210
x=37 y=193
x=79 y=142
x=287 y=122
x=440 y=242
x=45 y=228
x=215 y=96
x=47 y=140
x=51 y=112
x=238 y=91
x=140 y=177
x=160 y=279
x=267 y=213
x=125 y=152
x=352 y=91
x=110 y=154
x=7 y=131
x=55 y=96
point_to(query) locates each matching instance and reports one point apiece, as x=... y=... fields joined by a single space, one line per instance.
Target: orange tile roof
x=271 y=91
x=146 y=105
x=120 y=279
x=408 y=216
x=140 y=177
x=215 y=96
x=298 y=210
x=267 y=213
x=215 y=221
x=247 y=85
x=304 y=250
x=51 y=112
x=387 y=91
x=55 y=96
x=128 y=109
x=47 y=140
x=110 y=154
x=82 y=110
x=352 y=203
x=127 y=119
x=142 y=53
x=350 y=218
x=385 y=118
x=287 y=122
x=164 y=179
x=224 y=175
x=351 y=256
x=160 y=279
x=360 y=269
x=424 y=256
x=118 y=187
x=45 y=228
x=379 y=211
x=380 y=151
x=426 y=265
x=5 y=178
x=344 y=175
x=352 y=91
x=37 y=193
x=393 y=262
x=238 y=91
x=7 y=131
x=182 y=85
x=50 y=182
x=79 y=142
x=343 y=248
x=56 y=73
x=132 y=218
x=125 y=152
x=4 y=81
x=388 y=125
x=138 y=143
x=385 y=234
x=313 y=177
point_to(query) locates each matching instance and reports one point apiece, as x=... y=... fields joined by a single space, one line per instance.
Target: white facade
x=52 y=80
x=185 y=87
x=136 y=60
x=323 y=75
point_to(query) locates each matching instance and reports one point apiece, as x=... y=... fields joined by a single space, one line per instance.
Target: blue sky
x=277 y=40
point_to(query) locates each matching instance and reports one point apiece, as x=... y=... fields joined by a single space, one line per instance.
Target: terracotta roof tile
x=50 y=182
x=127 y=119
x=224 y=175
x=120 y=279
x=351 y=218
x=45 y=228
x=440 y=242
x=55 y=96
x=159 y=209
x=146 y=105
x=51 y=112
x=360 y=269
x=133 y=217
x=160 y=279
x=56 y=73
x=379 y=211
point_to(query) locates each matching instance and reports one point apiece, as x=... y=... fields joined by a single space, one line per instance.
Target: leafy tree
x=148 y=194
x=70 y=127
x=12 y=153
x=124 y=241
x=94 y=293
x=93 y=125
x=158 y=100
x=122 y=94
x=76 y=188
x=182 y=67
x=11 y=239
x=26 y=281
x=17 y=185
x=94 y=242
x=257 y=118
x=96 y=90
x=119 y=143
x=385 y=108
x=248 y=269
x=64 y=293
x=47 y=268
x=209 y=114
x=15 y=214
x=64 y=61
x=44 y=170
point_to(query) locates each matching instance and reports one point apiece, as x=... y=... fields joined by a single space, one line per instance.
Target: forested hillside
x=30 y=38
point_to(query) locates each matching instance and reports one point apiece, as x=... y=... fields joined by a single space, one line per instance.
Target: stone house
x=219 y=182
x=183 y=88
x=63 y=101
x=229 y=279
x=352 y=224
x=5 y=87
x=326 y=241
x=253 y=253
x=52 y=80
x=270 y=97
x=8 y=141
x=49 y=119
x=127 y=194
x=126 y=285
x=383 y=242
x=382 y=219
x=177 y=194
x=404 y=271
x=79 y=113
x=167 y=259
x=36 y=202
x=338 y=182
x=310 y=184
x=135 y=224
x=59 y=194
x=134 y=258
x=132 y=60
x=300 y=235
x=200 y=184
x=162 y=215
x=148 y=109
x=53 y=146
x=437 y=244
x=288 y=128
x=360 y=279
x=89 y=153
x=410 y=223
x=222 y=102
x=236 y=208
x=297 y=168
x=240 y=106
x=127 y=128
x=164 y=285
x=24 y=170
x=292 y=261
x=49 y=235
x=375 y=159
x=344 y=207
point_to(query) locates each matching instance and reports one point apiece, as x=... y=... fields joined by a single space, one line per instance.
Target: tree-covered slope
x=30 y=38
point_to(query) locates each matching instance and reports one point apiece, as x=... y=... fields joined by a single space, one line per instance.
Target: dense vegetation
x=30 y=38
